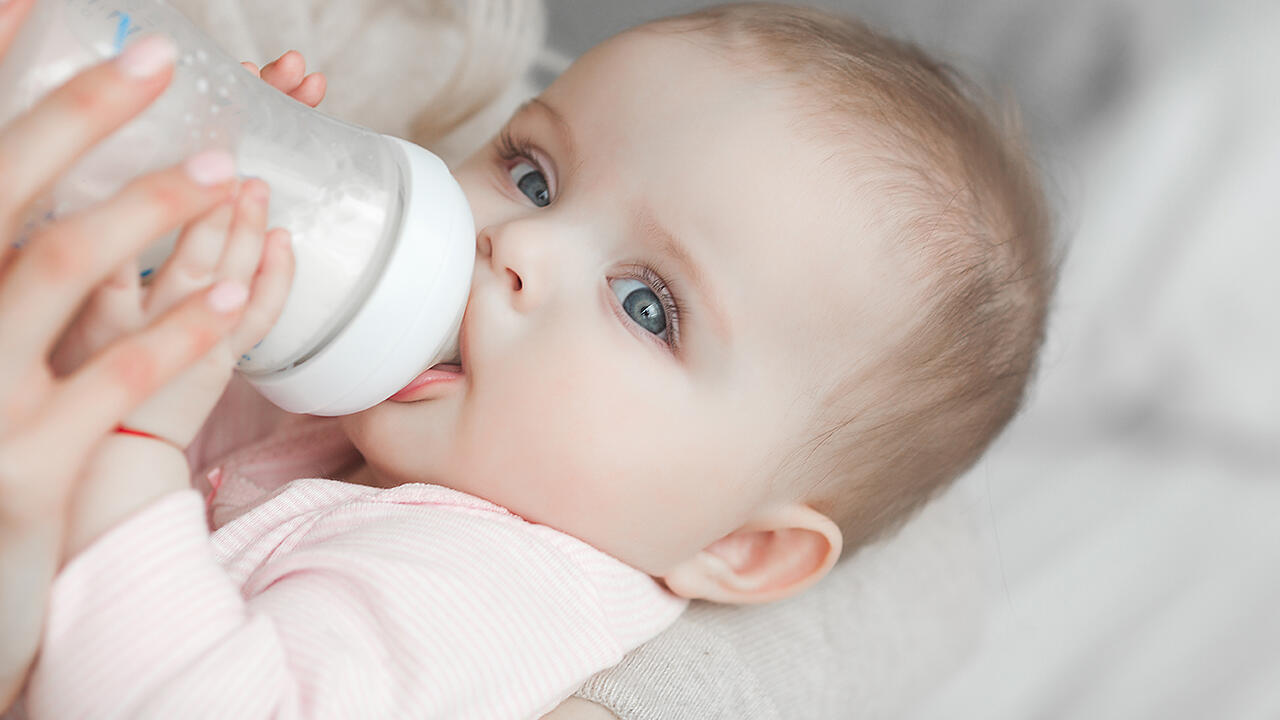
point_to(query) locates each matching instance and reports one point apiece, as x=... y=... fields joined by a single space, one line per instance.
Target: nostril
x=516 y=283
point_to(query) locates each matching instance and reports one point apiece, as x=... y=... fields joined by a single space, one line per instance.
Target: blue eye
x=532 y=183
x=641 y=304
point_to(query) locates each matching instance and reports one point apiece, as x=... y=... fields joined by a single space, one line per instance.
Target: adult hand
x=49 y=425
x=227 y=243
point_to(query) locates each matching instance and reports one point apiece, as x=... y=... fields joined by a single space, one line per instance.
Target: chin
x=399 y=439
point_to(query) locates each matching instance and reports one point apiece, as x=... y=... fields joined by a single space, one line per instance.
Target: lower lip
x=428 y=383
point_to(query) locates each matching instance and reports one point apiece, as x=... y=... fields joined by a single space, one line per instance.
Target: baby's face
x=667 y=275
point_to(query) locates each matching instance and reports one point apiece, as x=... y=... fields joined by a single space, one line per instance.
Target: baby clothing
x=318 y=598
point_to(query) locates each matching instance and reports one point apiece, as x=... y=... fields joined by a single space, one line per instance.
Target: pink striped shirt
x=317 y=598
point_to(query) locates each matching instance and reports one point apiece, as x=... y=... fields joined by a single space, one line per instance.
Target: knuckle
x=83 y=99
x=61 y=256
x=134 y=368
x=167 y=200
x=191 y=274
x=200 y=339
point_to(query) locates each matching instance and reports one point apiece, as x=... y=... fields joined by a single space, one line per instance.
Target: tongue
x=437 y=372
x=443 y=371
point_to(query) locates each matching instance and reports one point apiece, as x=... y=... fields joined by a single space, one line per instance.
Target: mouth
x=429 y=384
x=433 y=381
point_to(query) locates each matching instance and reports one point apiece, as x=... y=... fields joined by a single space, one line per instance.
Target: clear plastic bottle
x=383 y=238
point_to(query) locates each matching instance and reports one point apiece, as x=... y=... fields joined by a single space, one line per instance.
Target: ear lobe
x=774 y=556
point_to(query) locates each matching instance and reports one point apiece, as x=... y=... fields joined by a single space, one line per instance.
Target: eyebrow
x=562 y=125
x=668 y=243
x=672 y=246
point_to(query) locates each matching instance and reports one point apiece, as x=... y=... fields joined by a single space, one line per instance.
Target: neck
x=358 y=473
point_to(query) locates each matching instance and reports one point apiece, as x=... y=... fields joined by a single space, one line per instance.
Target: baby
x=751 y=285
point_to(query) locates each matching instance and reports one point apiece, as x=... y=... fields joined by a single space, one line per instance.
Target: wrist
x=125 y=474
x=126 y=430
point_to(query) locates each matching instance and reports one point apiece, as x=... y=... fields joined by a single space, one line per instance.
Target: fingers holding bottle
x=269 y=290
x=41 y=144
x=288 y=74
x=42 y=288
x=231 y=243
x=193 y=263
x=134 y=367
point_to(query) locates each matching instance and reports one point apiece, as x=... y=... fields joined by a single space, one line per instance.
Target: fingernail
x=210 y=167
x=147 y=56
x=227 y=295
x=259 y=193
x=280 y=240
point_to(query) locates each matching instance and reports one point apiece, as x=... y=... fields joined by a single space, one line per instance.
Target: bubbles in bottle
x=202 y=85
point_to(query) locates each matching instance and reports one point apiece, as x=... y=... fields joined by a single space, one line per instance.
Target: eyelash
x=671 y=304
x=513 y=147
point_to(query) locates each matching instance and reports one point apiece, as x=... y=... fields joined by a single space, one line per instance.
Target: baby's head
x=751 y=285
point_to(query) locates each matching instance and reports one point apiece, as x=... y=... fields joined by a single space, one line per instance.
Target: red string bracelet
x=142 y=433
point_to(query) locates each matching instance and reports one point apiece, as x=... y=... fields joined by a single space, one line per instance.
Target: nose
x=513 y=253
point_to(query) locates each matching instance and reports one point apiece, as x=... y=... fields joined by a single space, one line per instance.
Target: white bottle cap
x=412 y=316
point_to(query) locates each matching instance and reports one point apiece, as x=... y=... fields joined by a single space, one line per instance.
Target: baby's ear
x=777 y=554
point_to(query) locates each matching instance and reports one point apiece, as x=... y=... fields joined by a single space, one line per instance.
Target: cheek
x=558 y=410
x=606 y=449
x=572 y=416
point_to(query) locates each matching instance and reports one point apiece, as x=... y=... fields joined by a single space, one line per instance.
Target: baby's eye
x=532 y=183
x=641 y=304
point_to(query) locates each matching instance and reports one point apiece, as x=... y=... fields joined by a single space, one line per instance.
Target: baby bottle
x=383 y=237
